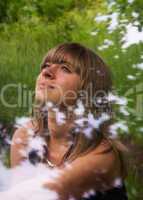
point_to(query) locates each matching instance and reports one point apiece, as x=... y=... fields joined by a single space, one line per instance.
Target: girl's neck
x=59 y=125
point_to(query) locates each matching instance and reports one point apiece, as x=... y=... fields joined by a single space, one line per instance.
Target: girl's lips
x=51 y=87
x=43 y=86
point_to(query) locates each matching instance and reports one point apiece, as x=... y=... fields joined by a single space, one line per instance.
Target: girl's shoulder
x=19 y=143
x=106 y=159
x=25 y=130
x=21 y=136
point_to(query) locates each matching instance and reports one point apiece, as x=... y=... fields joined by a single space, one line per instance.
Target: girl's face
x=57 y=83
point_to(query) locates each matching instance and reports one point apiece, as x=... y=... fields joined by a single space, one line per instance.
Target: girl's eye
x=66 y=69
x=45 y=65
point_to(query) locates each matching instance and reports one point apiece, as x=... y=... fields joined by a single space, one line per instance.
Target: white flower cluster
x=113 y=18
x=138 y=66
x=132 y=36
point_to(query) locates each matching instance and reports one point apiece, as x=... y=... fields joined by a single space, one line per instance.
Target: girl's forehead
x=62 y=59
x=59 y=58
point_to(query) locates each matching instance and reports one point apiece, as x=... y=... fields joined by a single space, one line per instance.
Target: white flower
x=138 y=66
x=116 y=56
x=101 y=18
x=132 y=36
x=141 y=129
x=131 y=77
x=114 y=23
x=135 y=14
x=106 y=44
x=130 y=1
x=93 y=33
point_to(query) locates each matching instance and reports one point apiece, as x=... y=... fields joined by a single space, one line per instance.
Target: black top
x=117 y=193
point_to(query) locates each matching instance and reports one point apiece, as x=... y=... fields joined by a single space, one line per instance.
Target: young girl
x=73 y=116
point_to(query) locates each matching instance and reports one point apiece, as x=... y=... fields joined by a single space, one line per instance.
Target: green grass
x=134 y=185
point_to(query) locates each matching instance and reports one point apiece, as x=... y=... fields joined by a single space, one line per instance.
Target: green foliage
x=127 y=9
x=134 y=184
x=3 y=10
x=47 y=10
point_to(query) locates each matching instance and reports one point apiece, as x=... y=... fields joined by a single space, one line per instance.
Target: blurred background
x=114 y=29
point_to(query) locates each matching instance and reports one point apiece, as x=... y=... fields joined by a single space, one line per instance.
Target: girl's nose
x=49 y=72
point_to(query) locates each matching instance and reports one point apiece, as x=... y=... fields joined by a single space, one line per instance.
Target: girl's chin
x=54 y=98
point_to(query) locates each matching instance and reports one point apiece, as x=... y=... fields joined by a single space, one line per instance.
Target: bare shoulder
x=105 y=157
x=101 y=161
x=23 y=132
x=20 y=142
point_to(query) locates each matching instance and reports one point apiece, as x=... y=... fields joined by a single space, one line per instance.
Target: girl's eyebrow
x=63 y=62
x=67 y=63
x=46 y=64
